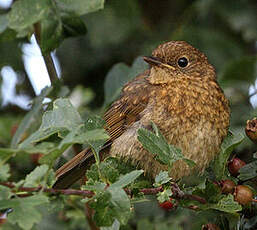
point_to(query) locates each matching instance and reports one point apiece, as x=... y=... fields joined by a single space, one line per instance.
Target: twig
x=177 y=193
x=47 y=57
x=89 y=215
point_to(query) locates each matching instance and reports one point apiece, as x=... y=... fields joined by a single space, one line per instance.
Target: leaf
x=5 y=193
x=162 y=178
x=3 y=22
x=121 y=204
x=51 y=34
x=156 y=144
x=4 y=172
x=227 y=146
x=164 y=195
x=239 y=70
x=248 y=171
x=118 y=75
x=25 y=13
x=63 y=117
x=73 y=26
x=126 y=179
x=80 y=7
x=24 y=212
x=30 y=117
x=115 y=226
x=115 y=79
x=227 y=204
x=34 y=178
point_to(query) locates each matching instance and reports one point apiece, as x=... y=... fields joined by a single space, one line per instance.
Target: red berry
x=234 y=165
x=243 y=194
x=167 y=205
x=227 y=186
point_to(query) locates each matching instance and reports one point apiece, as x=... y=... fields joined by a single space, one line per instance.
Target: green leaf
x=79 y=7
x=73 y=26
x=5 y=193
x=115 y=226
x=24 y=212
x=242 y=69
x=95 y=138
x=162 y=178
x=164 y=195
x=63 y=117
x=25 y=13
x=120 y=203
x=31 y=117
x=248 y=171
x=118 y=75
x=51 y=34
x=156 y=144
x=3 y=22
x=127 y=179
x=227 y=204
x=115 y=79
x=227 y=146
x=4 y=172
x=35 y=177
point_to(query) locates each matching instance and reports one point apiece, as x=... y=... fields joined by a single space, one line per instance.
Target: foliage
x=52 y=132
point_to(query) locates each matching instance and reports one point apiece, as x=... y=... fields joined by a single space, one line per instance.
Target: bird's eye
x=182 y=62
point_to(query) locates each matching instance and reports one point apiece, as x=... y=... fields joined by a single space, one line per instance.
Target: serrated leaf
x=162 y=178
x=156 y=144
x=126 y=179
x=5 y=193
x=79 y=7
x=227 y=146
x=164 y=195
x=248 y=171
x=30 y=117
x=4 y=172
x=24 y=212
x=34 y=178
x=25 y=13
x=227 y=204
x=63 y=117
x=120 y=203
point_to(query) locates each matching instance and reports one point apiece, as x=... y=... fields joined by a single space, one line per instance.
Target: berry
x=167 y=205
x=227 y=186
x=234 y=165
x=243 y=195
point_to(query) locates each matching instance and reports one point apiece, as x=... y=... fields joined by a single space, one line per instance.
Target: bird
x=179 y=92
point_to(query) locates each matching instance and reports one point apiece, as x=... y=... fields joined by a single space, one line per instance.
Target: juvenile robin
x=180 y=94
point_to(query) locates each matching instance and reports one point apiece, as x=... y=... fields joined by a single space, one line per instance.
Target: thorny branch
x=177 y=193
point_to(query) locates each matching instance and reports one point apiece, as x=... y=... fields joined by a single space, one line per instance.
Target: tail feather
x=76 y=168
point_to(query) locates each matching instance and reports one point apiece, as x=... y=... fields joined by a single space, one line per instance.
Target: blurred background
x=226 y=31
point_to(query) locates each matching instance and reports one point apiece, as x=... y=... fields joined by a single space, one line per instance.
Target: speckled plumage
x=186 y=104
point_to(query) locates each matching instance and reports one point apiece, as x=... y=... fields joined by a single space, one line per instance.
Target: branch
x=177 y=193
x=47 y=57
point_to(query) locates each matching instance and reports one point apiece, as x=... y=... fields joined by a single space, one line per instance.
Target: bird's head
x=178 y=59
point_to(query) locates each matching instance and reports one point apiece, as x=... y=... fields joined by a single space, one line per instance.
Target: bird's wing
x=126 y=110
x=122 y=114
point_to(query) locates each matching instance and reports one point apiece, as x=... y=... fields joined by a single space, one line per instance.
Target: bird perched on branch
x=180 y=94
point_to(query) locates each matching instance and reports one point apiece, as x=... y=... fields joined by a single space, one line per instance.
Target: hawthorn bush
x=117 y=195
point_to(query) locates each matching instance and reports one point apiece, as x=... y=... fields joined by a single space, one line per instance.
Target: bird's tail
x=74 y=169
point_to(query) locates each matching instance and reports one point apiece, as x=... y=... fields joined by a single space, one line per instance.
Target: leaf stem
x=47 y=57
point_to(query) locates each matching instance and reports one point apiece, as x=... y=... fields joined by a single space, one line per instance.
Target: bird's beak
x=156 y=61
